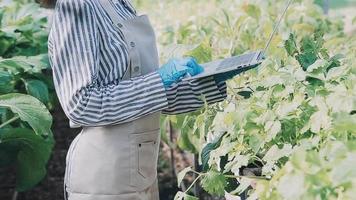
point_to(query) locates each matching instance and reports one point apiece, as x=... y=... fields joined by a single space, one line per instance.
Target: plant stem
x=196 y=167
x=170 y=127
x=251 y=177
x=14 y=195
x=9 y=121
x=191 y=185
x=197 y=172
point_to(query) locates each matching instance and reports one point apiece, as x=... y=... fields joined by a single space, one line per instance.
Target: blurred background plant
x=26 y=95
x=291 y=121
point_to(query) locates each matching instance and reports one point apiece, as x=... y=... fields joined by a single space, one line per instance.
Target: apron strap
x=117 y=22
x=110 y=9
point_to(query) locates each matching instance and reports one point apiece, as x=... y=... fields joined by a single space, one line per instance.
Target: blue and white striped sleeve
x=73 y=52
x=188 y=96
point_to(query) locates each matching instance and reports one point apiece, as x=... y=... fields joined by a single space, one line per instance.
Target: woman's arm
x=187 y=96
x=73 y=52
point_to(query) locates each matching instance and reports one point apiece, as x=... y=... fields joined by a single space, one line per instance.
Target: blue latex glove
x=176 y=69
x=231 y=74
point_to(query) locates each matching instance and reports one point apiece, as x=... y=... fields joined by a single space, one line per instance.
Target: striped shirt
x=89 y=56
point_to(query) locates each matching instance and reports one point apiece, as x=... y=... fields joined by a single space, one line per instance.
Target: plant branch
x=193 y=183
x=14 y=195
x=9 y=121
x=250 y=177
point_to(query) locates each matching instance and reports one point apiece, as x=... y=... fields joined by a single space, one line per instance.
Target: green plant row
x=26 y=93
x=287 y=129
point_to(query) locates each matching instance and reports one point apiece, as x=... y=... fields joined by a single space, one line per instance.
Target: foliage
x=27 y=144
x=283 y=117
x=26 y=93
x=22 y=30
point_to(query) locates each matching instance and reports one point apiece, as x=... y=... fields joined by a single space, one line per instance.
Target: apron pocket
x=144 y=156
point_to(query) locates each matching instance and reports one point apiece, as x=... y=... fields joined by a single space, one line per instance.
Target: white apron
x=119 y=162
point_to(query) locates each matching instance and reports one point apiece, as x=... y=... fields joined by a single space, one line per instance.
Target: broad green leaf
x=291 y=45
x=37 y=89
x=33 y=154
x=214 y=182
x=29 y=110
x=8 y=153
x=20 y=64
x=205 y=153
x=189 y=197
x=252 y=10
x=6 y=82
x=272 y=128
x=344 y=122
x=256 y=142
x=306 y=59
x=320 y=121
x=245 y=94
x=275 y=153
x=186 y=140
x=182 y=174
x=244 y=183
x=235 y=164
x=203 y=52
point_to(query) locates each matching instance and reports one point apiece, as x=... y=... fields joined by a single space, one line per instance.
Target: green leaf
x=245 y=94
x=37 y=89
x=344 y=122
x=272 y=128
x=185 y=140
x=290 y=45
x=32 y=157
x=252 y=10
x=189 y=197
x=203 y=52
x=29 y=110
x=320 y=121
x=20 y=64
x=8 y=153
x=214 y=182
x=275 y=153
x=306 y=59
x=205 y=153
x=310 y=47
x=182 y=173
x=6 y=82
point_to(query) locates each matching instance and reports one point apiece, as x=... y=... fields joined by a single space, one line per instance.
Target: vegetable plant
x=287 y=129
x=26 y=93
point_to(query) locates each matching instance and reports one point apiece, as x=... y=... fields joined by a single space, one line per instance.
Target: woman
x=106 y=75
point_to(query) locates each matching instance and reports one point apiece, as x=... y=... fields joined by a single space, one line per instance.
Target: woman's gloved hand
x=175 y=69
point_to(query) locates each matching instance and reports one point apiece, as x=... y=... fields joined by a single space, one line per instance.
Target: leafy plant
x=22 y=30
x=282 y=119
x=26 y=93
x=28 y=144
